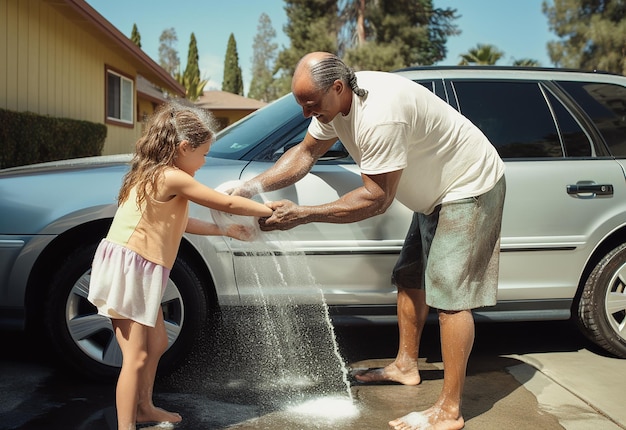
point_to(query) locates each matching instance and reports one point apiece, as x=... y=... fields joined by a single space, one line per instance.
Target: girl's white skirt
x=125 y=285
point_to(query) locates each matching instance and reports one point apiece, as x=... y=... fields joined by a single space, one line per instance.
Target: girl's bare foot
x=391 y=373
x=157 y=415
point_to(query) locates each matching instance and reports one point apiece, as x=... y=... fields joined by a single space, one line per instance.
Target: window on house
x=119 y=98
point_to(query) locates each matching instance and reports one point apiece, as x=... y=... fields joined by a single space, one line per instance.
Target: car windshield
x=237 y=140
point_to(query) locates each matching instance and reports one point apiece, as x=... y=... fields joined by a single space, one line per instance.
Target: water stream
x=280 y=347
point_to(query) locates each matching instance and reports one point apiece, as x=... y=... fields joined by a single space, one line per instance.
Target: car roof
x=508 y=72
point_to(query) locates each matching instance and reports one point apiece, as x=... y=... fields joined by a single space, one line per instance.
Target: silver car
x=561 y=133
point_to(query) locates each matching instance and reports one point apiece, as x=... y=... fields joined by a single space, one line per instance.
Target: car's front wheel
x=602 y=306
x=85 y=341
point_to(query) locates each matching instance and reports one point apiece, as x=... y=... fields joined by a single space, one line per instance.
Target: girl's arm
x=236 y=231
x=177 y=182
x=205 y=228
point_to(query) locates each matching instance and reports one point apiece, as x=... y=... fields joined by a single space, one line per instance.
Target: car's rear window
x=605 y=104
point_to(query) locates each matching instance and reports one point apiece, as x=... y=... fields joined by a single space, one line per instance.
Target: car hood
x=40 y=198
x=74 y=163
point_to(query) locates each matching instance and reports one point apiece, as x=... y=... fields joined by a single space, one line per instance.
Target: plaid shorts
x=454 y=252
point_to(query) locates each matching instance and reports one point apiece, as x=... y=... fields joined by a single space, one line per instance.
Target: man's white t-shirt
x=402 y=125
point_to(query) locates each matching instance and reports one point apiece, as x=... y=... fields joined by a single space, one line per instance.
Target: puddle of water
x=332 y=408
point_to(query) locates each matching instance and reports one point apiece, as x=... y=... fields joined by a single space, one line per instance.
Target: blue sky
x=518 y=28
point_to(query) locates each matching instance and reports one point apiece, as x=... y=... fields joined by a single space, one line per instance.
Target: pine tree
x=233 y=81
x=263 y=59
x=592 y=34
x=194 y=86
x=168 y=56
x=135 y=37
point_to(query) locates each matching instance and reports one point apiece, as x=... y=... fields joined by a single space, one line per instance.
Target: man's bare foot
x=157 y=415
x=431 y=419
x=391 y=373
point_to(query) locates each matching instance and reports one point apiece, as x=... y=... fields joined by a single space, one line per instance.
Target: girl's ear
x=184 y=146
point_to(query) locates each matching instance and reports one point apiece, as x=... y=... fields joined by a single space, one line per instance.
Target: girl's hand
x=242 y=232
x=243 y=189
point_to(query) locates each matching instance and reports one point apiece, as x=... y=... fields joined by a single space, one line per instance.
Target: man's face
x=323 y=105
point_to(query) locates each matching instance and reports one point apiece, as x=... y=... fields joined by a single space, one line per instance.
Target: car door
x=564 y=191
x=352 y=263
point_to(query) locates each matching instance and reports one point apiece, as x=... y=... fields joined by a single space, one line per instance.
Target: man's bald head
x=319 y=70
x=309 y=62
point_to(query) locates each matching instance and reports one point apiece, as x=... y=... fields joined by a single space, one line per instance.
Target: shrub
x=28 y=138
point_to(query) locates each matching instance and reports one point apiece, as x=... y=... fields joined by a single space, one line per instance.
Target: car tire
x=84 y=340
x=601 y=310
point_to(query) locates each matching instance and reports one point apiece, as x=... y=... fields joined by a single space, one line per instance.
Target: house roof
x=79 y=12
x=224 y=100
x=149 y=91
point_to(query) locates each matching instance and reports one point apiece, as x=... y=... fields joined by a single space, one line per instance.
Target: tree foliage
x=387 y=34
x=312 y=25
x=482 y=54
x=526 y=62
x=592 y=34
x=135 y=37
x=168 y=55
x=352 y=23
x=367 y=34
x=375 y=56
x=190 y=79
x=264 y=52
x=233 y=81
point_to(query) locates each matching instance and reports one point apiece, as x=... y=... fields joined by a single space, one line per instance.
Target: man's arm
x=292 y=166
x=373 y=198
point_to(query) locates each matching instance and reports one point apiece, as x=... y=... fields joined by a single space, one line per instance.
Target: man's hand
x=286 y=215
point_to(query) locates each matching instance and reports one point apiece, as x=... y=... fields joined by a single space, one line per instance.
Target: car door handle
x=590 y=190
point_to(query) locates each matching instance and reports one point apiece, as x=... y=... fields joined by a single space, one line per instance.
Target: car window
x=575 y=139
x=237 y=140
x=605 y=104
x=331 y=157
x=513 y=115
x=435 y=86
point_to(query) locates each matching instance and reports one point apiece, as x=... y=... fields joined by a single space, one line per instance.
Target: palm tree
x=483 y=54
x=526 y=62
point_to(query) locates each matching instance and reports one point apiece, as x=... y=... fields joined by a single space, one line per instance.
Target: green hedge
x=28 y=138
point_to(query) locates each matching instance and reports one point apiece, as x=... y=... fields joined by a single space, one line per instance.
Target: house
x=226 y=107
x=62 y=58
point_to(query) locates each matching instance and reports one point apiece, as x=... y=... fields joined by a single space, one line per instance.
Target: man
x=412 y=146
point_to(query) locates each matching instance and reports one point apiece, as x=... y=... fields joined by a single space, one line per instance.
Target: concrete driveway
x=520 y=376
x=535 y=391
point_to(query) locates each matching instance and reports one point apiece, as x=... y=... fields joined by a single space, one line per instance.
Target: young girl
x=132 y=265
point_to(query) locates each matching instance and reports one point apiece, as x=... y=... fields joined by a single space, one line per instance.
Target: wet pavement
x=520 y=376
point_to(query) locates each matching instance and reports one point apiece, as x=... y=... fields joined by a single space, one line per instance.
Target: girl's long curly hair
x=156 y=149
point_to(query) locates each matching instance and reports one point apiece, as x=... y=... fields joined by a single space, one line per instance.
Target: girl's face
x=190 y=159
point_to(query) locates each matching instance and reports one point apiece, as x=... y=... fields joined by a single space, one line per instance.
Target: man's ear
x=339 y=86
